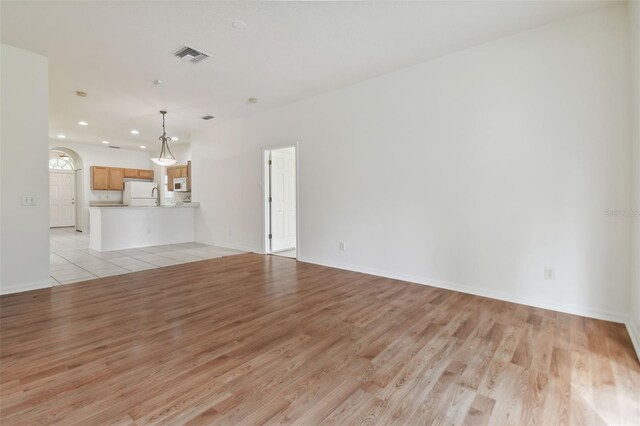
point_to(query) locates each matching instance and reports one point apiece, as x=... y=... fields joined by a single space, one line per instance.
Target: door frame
x=71 y=173
x=79 y=177
x=266 y=246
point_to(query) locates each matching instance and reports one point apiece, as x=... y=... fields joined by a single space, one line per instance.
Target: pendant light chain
x=166 y=157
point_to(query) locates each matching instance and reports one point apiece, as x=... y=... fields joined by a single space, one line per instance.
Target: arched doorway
x=65 y=189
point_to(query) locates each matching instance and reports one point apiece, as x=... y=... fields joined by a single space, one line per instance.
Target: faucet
x=155 y=188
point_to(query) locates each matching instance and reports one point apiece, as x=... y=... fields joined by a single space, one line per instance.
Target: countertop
x=124 y=206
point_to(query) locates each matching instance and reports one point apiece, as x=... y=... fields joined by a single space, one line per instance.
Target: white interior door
x=62 y=209
x=283 y=199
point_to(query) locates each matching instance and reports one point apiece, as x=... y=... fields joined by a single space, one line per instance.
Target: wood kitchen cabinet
x=170 y=176
x=145 y=174
x=189 y=176
x=116 y=179
x=112 y=178
x=132 y=173
x=99 y=178
x=179 y=171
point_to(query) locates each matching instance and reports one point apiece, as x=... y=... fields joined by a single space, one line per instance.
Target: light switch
x=28 y=200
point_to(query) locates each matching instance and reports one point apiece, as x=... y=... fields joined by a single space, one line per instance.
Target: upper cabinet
x=132 y=173
x=112 y=178
x=116 y=179
x=179 y=171
x=170 y=176
x=99 y=178
x=189 y=176
x=145 y=174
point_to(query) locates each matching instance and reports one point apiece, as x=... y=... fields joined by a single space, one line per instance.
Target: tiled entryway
x=72 y=260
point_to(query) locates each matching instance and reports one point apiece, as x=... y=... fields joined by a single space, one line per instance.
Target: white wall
x=472 y=171
x=96 y=155
x=634 y=320
x=24 y=128
x=182 y=151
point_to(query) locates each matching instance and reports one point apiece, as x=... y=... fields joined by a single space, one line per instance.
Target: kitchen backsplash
x=105 y=196
x=182 y=197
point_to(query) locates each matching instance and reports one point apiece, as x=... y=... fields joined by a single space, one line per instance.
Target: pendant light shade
x=165 y=158
x=164 y=161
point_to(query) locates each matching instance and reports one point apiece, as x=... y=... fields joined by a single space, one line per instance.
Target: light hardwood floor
x=253 y=339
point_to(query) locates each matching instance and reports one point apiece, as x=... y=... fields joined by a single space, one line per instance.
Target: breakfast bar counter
x=124 y=227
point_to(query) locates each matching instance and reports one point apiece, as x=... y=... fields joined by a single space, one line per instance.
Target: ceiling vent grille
x=190 y=54
x=113 y=147
x=208 y=117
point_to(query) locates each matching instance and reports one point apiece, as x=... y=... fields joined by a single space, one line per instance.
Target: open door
x=282 y=206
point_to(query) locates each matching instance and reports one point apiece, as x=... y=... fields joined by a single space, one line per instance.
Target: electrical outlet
x=341 y=246
x=549 y=273
x=28 y=200
x=230 y=233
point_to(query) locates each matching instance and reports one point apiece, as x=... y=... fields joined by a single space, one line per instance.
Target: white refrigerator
x=140 y=194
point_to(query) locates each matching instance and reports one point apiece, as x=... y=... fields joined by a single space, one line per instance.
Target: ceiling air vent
x=208 y=117
x=113 y=147
x=190 y=54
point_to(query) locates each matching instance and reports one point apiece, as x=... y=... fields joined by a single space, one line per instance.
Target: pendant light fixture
x=165 y=158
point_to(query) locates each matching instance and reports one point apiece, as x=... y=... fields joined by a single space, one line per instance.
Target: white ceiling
x=289 y=51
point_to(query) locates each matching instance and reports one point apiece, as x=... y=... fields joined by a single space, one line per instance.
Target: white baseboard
x=507 y=297
x=232 y=246
x=26 y=287
x=634 y=332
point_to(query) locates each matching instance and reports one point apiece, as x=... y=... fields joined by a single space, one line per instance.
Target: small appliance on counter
x=182 y=198
x=140 y=194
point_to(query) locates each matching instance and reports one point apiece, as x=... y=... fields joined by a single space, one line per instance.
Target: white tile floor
x=72 y=260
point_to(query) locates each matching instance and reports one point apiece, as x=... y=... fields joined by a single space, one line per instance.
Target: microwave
x=180 y=184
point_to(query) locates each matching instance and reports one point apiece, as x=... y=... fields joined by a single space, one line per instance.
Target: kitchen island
x=125 y=227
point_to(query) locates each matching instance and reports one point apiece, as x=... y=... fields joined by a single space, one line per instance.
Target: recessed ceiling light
x=135 y=132
x=175 y=138
x=239 y=24
x=61 y=136
x=142 y=146
x=83 y=123
x=106 y=142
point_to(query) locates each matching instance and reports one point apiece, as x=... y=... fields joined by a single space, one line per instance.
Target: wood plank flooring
x=253 y=339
